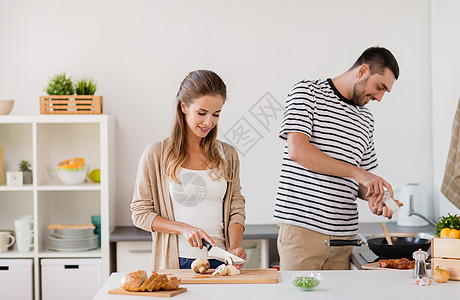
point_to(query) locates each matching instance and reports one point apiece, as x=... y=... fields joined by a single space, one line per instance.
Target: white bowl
x=72 y=176
x=6 y=106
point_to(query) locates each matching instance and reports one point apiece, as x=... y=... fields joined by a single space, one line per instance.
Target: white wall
x=139 y=51
x=445 y=30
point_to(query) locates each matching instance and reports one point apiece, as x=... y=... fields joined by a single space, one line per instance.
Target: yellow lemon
x=95 y=175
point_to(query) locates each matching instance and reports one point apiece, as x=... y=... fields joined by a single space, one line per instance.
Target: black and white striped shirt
x=342 y=130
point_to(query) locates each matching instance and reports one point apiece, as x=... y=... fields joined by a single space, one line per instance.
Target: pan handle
x=334 y=243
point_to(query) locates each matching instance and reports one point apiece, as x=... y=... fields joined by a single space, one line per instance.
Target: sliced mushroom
x=232 y=270
x=200 y=265
x=222 y=270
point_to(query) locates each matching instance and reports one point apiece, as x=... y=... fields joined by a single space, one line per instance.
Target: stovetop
x=363 y=255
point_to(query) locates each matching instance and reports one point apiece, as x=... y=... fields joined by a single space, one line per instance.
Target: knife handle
x=206 y=244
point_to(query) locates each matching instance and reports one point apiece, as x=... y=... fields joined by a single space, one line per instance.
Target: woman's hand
x=240 y=252
x=193 y=235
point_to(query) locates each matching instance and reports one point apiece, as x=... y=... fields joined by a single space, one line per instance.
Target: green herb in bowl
x=306 y=282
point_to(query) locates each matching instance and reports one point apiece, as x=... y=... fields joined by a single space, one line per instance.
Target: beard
x=359 y=92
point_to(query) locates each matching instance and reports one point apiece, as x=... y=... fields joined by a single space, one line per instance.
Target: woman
x=187 y=186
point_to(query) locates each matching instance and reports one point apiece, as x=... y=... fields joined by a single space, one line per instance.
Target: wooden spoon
x=387 y=235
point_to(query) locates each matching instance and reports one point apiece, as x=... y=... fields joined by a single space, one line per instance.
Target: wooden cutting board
x=121 y=291
x=246 y=276
x=71 y=226
x=375 y=266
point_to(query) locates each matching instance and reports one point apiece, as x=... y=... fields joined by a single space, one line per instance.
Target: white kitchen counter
x=362 y=284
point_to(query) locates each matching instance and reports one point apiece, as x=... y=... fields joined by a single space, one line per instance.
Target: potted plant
x=84 y=87
x=25 y=166
x=60 y=84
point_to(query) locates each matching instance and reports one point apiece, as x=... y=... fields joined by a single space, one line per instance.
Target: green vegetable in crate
x=451 y=221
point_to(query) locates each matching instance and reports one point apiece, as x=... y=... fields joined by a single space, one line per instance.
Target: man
x=328 y=154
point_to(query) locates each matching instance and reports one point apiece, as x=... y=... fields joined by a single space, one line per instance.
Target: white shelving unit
x=45 y=140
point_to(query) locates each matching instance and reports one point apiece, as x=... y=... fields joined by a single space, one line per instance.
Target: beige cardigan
x=151 y=198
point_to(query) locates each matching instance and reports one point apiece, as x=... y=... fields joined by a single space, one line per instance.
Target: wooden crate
x=72 y=104
x=445 y=253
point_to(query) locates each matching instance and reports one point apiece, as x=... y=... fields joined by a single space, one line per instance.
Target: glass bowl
x=69 y=176
x=307 y=281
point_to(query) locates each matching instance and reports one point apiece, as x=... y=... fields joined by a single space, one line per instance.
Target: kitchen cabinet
x=133 y=256
x=44 y=140
x=12 y=272
x=67 y=272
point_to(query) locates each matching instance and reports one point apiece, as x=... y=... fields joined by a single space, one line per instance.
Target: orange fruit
x=73 y=163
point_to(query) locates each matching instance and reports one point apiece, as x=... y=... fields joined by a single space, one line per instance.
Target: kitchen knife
x=221 y=254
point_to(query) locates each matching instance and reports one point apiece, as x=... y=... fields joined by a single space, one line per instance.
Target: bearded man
x=328 y=158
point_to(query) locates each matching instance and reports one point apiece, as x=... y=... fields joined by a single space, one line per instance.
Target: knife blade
x=221 y=254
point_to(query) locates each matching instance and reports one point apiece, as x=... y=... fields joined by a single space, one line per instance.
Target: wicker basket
x=84 y=104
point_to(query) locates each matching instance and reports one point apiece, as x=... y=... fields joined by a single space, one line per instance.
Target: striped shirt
x=342 y=130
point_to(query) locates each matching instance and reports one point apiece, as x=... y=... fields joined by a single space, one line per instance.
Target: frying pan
x=403 y=246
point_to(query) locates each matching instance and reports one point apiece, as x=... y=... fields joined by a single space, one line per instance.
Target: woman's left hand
x=240 y=252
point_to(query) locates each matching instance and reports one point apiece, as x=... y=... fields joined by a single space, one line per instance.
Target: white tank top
x=198 y=201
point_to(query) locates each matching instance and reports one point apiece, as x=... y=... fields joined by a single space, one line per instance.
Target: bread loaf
x=147 y=285
x=172 y=284
x=138 y=281
x=134 y=280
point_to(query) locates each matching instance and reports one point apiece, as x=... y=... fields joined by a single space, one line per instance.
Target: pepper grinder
x=420 y=266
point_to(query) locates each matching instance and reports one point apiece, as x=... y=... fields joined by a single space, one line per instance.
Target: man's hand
x=373 y=185
x=378 y=207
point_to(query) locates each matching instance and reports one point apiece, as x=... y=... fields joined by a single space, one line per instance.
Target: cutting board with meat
x=246 y=276
x=391 y=264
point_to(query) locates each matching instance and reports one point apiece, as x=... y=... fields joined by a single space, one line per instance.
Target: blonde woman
x=187 y=186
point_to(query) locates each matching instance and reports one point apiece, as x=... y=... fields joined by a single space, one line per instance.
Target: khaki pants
x=304 y=249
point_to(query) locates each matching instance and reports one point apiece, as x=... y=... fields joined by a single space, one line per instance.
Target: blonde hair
x=196 y=84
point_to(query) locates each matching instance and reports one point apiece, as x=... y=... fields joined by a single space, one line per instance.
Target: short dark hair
x=378 y=58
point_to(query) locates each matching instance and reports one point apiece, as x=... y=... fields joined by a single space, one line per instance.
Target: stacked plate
x=73 y=239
